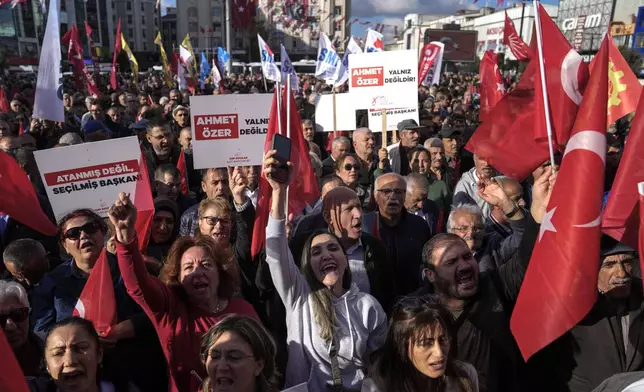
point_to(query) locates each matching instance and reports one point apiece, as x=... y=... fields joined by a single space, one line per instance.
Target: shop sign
x=588 y=22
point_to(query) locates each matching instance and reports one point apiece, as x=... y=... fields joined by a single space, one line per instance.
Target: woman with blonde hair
x=239 y=354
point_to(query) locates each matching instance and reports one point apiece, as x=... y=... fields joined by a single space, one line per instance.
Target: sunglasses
x=16 y=315
x=213 y=220
x=349 y=166
x=75 y=232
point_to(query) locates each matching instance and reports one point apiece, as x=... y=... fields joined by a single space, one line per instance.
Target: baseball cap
x=610 y=247
x=408 y=124
x=448 y=132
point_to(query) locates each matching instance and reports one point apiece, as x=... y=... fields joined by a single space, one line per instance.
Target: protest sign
x=229 y=130
x=344 y=112
x=89 y=175
x=394 y=116
x=384 y=80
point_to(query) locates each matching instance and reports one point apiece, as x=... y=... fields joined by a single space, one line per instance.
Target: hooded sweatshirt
x=361 y=323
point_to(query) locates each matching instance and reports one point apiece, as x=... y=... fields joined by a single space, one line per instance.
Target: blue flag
x=222 y=58
x=205 y=69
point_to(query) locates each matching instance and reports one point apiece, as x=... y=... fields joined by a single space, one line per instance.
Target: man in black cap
x=451 y=141
x=409 y=138
x=610 y=339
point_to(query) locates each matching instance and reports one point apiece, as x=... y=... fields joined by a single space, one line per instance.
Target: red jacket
x=179 y=325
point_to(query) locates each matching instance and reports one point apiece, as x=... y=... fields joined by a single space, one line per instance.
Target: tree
x=633 y=58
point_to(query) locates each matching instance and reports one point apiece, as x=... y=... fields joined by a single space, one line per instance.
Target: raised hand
x=238 y=182
x=123 y=216
x=541 y=192
x=270 y=167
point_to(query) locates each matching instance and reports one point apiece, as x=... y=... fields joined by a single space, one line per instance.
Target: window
x=639 y=40
x=337 y=10
x=113 y=4
x=143 y=20
x=145 y=44
x=193 y=28
x=409 y=23
x=130 y=33
x=216 y=12
x=129 y=19
x=408 y=42
x=129 y=6
x=142 y=7
x=113 y=18
x=143 y=33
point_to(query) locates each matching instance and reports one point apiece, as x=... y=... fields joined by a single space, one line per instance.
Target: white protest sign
x=89 y=175
x=394 y=116
x=344 y=112
x=383 y=80
x=229 y=130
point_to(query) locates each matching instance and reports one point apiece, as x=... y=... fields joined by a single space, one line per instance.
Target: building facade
x=139 y=22
x=584 y=23
x=169 y=28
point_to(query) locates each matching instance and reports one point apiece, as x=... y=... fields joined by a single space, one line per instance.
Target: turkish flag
x=560 y=286
x=75 y=57
x=566 y=77
x=330 y=137
x=507 y=142
x=304 y=189
x=640 y=188
x=243 y=13
x=19 y=199
x=620 y=215
x=491 y=81
x=516 y=44
x=623 y=87
x=181 y=166
x=97 y=302
x=144 y=205
x=117 y=50
x=4 y=102
x=11 y=376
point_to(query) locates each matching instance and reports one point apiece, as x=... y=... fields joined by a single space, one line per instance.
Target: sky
x=392 y=12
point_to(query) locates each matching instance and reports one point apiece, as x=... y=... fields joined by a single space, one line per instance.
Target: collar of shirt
x=316 y=207
x=76 y=272
x=250 y=193
x=354 y=247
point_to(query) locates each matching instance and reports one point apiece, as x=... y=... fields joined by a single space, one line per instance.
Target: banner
x=384 y=80
x=229 y=130
x=90 y=175
x=394 y=116
x=460 y=46
x=344 y=111
x=328 y=60
x=429 y=68
x=287 y=70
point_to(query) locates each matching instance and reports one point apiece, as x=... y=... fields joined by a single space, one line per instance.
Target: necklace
x=221 y=305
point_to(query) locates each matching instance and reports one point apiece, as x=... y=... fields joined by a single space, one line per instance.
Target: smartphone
x=282 y=145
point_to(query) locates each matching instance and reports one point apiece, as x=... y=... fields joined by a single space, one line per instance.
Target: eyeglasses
x=232 y=358
x=348 y=167
x=388 y=192
x=75 y=232
x=213 y=220
x=474 y=229
x=16 y=315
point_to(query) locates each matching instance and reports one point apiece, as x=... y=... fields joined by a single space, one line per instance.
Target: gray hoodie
x=466 y=191
x=361 y=323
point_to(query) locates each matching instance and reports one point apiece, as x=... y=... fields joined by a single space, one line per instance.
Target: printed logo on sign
x=216 y=126
x=367 y=77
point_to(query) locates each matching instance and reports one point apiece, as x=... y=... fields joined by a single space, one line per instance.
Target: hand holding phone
x=282 y=145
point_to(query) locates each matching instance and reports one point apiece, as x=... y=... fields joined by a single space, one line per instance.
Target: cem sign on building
x=584 y=23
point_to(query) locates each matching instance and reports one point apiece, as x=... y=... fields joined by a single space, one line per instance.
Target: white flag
x=49 y=89
x=434 y=74
x=374 y=42
x=288 y=70
x=328 y=60
x=270 y=70
x=216 y=76
x=185 y=56
x=181 y=77
x=343 y=70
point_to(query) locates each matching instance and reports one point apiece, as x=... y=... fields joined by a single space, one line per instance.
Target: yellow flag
x=188 y=46
x=167 y=76
x=133 y=63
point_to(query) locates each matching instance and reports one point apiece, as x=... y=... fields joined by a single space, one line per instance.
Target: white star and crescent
x=500 y=87
x=546 y=223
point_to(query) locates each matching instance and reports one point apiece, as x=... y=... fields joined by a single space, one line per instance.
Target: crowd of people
x=402 y=277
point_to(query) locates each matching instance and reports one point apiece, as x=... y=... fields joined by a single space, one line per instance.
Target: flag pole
x=287 y=92
x=384 y=128
x=546 y=104
x=335 y=120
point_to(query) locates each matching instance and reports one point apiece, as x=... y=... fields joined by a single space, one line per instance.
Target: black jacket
x=404 y=245
x=328 y=166
x=483 y=335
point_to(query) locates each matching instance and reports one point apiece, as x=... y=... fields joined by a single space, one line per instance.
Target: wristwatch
x=513 y=212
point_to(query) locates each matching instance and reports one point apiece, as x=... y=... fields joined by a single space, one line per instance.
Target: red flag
x=97 y=302
x=150 y=102
x=21 y=128
x=181 y=165
x=243 y=13
x=4 y=102
x=144 y=205
x=11 y=376
x=623 y=88
x=512 y=40
x=620 y=215
x=75 y=57
x=19 y=199
x=13 y=2
x=304 y=190
x=94 y=52
x=492 y=87
x=507 y=143
x=117 y=50
x=560 y=286
x=429 y=53
x=567 y=75
x=640 y=188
